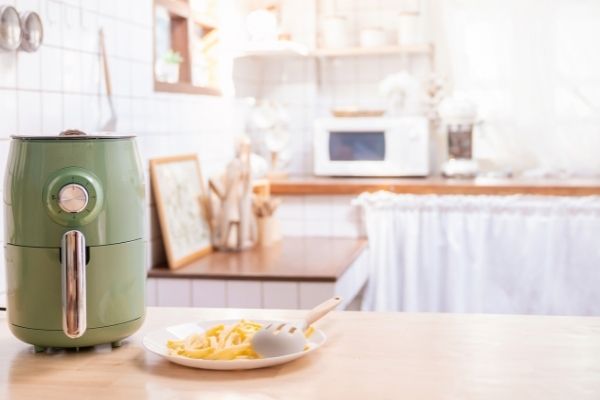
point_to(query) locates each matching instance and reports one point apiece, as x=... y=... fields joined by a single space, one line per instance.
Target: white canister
x=372 y=37
x=335 y=32
x=409 y=29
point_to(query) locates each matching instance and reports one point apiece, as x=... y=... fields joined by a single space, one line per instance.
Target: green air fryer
x=75 y=249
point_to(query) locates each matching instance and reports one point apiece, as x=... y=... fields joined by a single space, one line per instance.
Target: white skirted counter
x=491 y=254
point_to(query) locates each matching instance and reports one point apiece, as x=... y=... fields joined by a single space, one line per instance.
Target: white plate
x=156 y=342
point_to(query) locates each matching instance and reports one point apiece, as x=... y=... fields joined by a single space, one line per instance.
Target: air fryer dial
x=73 y=198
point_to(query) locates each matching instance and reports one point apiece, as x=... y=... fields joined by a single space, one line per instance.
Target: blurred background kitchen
x=480 y=119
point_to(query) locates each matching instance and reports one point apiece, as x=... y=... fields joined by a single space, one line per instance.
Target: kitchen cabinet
x=295 y=273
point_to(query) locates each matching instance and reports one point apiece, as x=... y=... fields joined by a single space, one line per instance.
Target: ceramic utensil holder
x=269 y=231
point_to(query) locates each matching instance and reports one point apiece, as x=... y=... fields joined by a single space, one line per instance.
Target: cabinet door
x=313 y=293
x=151 y=292
x=209 y=293
x=244 y=294
x=280 y=295
x=174 y=292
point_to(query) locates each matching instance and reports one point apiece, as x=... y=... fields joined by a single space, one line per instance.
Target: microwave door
x=357 y=145
x=371 y=147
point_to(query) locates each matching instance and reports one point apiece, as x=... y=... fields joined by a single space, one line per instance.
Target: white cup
x=372 y=37
x=335 y=32
x=409 y=29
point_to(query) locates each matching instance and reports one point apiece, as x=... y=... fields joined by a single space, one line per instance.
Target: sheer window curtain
x=532 y=69
x=514 y=254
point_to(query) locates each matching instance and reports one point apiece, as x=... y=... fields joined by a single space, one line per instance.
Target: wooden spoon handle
x=105 y=65
x=321 y=310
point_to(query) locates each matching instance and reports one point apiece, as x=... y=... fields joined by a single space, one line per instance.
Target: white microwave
x=371 y=146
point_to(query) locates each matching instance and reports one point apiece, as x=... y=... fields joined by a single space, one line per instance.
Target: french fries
x=221 y=342
x=218 y=343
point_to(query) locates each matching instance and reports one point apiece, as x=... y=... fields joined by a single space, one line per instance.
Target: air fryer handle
x=73 y=284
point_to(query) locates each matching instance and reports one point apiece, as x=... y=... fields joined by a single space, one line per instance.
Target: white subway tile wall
x=61 y=87
x=309 y=88
x=328 y=216
x=342 y=82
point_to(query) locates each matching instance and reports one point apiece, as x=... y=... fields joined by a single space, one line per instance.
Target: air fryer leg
x=39 y=349
x=116 y=344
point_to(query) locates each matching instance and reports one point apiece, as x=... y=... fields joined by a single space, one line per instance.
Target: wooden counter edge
x=162 y=271
x=316 y=186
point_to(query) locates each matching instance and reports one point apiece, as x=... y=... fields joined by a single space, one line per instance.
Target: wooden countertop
x=299 y=259
x=367 y=356
x=354 y=186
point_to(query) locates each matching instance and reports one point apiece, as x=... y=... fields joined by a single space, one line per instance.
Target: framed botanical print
x=178 y=190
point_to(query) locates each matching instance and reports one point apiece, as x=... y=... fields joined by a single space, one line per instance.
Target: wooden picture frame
x=178 y=186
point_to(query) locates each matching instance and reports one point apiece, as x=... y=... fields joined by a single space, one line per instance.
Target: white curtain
x=530 y=68
x=512 y=254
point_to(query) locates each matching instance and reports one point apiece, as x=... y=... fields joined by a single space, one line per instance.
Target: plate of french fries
x=221 y=345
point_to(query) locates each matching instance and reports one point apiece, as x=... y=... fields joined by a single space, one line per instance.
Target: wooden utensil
x=111 y=124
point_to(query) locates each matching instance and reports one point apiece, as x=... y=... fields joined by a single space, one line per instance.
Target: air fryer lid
x=74 y=134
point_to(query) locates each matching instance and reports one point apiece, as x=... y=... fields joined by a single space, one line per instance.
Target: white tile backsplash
x=29 y=72
x=71 y=71
x=73 y=115
x=52 y=113
x=108 y=7
x=51 y=73
x=51 y=13
x=327 y=215
x=8 y=70
x=309 y=88
x=90 y=112
x=8 y=113
x=28 y=5
x=29 y=112
x=61 y=86
x=90 y=73
x=71 y=27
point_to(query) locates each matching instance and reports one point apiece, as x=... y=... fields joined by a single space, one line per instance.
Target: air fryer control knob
x=73 y=198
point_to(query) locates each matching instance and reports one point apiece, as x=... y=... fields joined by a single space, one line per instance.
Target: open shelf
x=184 y=87
x=194 y=36
x=279 y=48
x=292 y=49
x=425 y=49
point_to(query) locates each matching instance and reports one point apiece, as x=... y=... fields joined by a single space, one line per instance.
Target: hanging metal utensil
x=33 y=31
x=10 y=28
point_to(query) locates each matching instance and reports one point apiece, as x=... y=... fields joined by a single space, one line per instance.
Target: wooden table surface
x=317 y=259
x=367 y=356
x=307 y=185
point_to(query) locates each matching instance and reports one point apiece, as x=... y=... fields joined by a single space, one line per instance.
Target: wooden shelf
x=183 y=87
x=374 y=51
x=187 y=29
x=291 y=49
x=177 y=7
x=440 y=186
x=204 y=20
x=280 y=48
